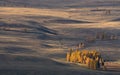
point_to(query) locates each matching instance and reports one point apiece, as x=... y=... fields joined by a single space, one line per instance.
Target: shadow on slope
x=47 y=46
x=67 y=21
x=14 y=49
x=14 y=42
x=42 y=61
x=117 y=19
x=30 y=29
x=42 y=28
x=32 y=25
x=43 y=66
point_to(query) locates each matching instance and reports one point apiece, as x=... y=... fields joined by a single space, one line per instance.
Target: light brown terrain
x=34 y=41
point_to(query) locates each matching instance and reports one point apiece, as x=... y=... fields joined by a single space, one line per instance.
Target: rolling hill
x=35 y=35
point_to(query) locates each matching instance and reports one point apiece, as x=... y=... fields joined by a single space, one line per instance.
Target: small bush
x=90 y=39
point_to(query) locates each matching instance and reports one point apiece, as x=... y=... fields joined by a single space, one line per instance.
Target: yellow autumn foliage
x=92 y=58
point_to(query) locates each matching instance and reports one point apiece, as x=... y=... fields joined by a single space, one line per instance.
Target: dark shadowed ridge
x=67 y=21
x=117 y=19
x=32 y=25
x=59 y=3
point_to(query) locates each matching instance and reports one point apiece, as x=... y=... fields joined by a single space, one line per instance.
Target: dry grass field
x=34 y=41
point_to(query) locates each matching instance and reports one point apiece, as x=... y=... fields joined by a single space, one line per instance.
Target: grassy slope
x=34 y=41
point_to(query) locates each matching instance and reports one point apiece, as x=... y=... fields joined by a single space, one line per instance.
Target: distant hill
x=59 y=3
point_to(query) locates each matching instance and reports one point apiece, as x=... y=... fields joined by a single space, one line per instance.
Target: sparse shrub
x=105 y=36
x=113 y=37
x=104 y=68
x=107 y=12
x=81 y=45
x=95 y=64
x=72 y=58
x=101 y=36
x=90 y=39
x=91 y=64
x=68 y=57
